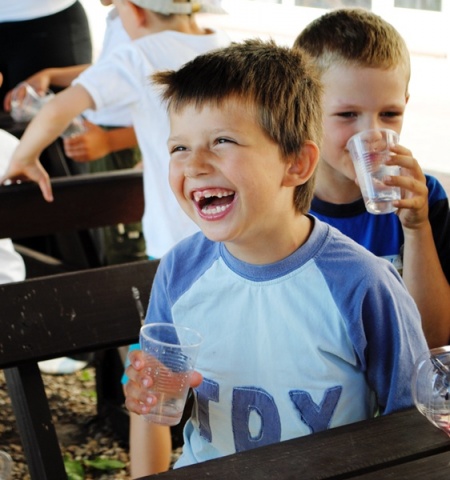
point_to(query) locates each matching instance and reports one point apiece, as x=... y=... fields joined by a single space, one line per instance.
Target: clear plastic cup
x=170 y=355
x=5 y=465
x=369 y=150
x=431 y=386
x=26 y=102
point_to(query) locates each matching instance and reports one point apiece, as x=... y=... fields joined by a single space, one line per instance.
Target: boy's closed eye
x=391 y=114
x=347 y=114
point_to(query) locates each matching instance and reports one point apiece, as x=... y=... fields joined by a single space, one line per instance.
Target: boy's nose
x=371 y=123
x=197 y=164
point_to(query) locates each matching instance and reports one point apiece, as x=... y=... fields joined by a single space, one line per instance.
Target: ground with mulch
x=83 y=437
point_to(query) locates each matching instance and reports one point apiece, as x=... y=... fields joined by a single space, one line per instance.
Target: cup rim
x=440 y=350
x=387 y=130
x=176 y=327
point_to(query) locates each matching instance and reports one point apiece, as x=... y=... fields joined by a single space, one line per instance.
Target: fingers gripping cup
x=170 y=355
x=369 y=151
x=26 y=102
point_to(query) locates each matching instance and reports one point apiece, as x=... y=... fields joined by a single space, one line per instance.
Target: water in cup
x=170 y=355
x=26 y=102
x=369 y=150
x=431 y=387
x=75 y=128
x=171 y=390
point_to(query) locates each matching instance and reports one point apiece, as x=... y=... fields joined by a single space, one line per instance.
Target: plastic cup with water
x=431 y=386
x=5 y=465
x=26 y=102
x=369 y=150
x=170 y=356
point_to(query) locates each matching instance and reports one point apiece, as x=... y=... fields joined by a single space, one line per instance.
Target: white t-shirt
x=123 y=79
x=115 y=35
x=12 y=268
x=18 y=10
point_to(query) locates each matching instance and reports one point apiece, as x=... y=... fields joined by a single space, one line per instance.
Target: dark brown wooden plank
x=80 y=202
x=434 y=467
x=74 y=312
x=34 y=421
x=59 y=315
x=339 y=453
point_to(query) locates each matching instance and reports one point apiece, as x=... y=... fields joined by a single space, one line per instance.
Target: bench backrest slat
x=80 y=202
x=87 y=310
x=69 y=313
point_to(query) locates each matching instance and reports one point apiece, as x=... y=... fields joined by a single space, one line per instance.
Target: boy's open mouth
x=214 y=200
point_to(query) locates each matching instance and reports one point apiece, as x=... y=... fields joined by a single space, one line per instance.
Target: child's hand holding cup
x=170 y=352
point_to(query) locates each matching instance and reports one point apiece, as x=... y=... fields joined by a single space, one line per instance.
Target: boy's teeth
x=214 y=210
x=212 y=193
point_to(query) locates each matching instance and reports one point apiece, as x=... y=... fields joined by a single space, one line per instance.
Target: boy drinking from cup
x=365 y=70
x=292 y=344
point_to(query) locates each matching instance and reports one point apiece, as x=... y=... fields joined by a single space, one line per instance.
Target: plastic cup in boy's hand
x=26 y=102
x=369 y=150
x=170 y=355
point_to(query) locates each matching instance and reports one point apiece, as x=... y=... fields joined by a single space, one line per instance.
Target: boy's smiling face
x=230 y=177
x=355 y=99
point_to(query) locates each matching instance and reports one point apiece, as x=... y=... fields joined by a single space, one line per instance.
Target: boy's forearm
x=51 y=121
x=428 y=285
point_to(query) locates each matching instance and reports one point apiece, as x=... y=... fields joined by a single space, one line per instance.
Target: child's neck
x=275 y=245
x=333 y=187
x=178 y=23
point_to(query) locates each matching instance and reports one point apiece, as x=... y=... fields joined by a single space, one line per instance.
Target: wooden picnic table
x=403 y=445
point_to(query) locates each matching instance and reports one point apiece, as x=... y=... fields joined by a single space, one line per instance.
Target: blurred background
x=423 y=23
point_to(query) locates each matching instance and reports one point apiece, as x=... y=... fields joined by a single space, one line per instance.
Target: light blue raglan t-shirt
x=325 y=337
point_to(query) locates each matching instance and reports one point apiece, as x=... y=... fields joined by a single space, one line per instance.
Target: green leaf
x=86 y=375
x=104 y=464
x=74 y=469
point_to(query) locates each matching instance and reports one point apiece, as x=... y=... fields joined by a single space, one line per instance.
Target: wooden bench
x=81 y=202
x=62 y=315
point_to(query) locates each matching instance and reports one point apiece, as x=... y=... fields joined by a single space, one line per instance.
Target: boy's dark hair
x=281 y=85
x=354 y=36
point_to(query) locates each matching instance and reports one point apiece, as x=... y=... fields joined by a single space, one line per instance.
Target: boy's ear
x=302 y=165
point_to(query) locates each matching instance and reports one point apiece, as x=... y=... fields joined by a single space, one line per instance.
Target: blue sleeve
x=383 y=321
x=392 y=322
x=177 y=271
x=439 y=215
